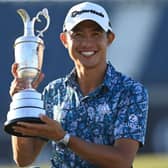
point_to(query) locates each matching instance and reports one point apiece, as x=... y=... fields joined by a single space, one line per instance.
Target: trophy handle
x=44 y=13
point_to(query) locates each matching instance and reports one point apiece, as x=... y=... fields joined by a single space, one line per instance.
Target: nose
x=87 y=41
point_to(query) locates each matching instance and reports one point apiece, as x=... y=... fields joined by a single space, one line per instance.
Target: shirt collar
x=110 y=78
x=71 y=78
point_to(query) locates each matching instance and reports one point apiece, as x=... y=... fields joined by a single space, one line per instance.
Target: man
x=96 y=117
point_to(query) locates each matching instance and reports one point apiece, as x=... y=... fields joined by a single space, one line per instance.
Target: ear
x=111 y=37
x=63 y=39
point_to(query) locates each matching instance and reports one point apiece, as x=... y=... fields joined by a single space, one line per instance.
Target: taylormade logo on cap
x=75 y=13
x=87 y=11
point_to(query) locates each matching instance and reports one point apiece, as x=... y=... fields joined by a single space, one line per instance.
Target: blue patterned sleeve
x=47 y=98
x=132 y=114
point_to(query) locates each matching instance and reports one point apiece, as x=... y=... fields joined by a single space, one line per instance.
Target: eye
x=77 y=34
x=96 y=33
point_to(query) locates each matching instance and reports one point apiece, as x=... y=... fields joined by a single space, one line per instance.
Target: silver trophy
x=27 y=104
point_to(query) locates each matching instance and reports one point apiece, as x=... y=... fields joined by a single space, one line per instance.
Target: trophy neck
x=29 y=28
x=28 y=83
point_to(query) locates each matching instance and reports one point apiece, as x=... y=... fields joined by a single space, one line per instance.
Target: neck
x=90 y=78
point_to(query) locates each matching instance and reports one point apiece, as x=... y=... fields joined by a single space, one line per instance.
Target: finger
x=38 y=80
x=30 y=125
x=19 y=129
x=46 y=119
x=16 y=85
x=26 y=131
x=13 y=88
x=14 y=70
x=31 y=129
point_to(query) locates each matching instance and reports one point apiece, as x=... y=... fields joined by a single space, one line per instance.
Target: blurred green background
x=141 y=161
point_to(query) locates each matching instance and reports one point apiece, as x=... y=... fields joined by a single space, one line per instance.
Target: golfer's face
x=87 y=44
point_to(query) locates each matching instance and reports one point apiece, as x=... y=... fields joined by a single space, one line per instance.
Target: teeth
x=88 y=53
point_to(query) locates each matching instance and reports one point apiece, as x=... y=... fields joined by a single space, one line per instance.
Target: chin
x=90 y=66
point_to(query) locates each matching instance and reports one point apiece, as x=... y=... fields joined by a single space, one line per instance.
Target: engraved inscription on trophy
x=27 y=104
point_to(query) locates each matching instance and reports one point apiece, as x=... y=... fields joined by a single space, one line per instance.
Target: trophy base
x=8 y=126
x=26 y=106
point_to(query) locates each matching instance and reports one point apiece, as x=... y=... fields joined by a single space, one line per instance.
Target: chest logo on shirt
x=103 y=108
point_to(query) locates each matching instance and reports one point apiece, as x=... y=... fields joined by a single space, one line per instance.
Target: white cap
x=87 y=11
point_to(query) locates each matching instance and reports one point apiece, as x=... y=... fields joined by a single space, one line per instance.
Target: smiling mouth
x=88 y=53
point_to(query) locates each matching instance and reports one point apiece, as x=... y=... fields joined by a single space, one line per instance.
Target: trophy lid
x=29 y=39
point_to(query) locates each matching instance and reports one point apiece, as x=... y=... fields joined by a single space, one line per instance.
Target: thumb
x=14 y=70
x=45 y=119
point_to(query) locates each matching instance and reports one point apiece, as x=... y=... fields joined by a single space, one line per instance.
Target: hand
x=19 y=84
x=51 y=129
